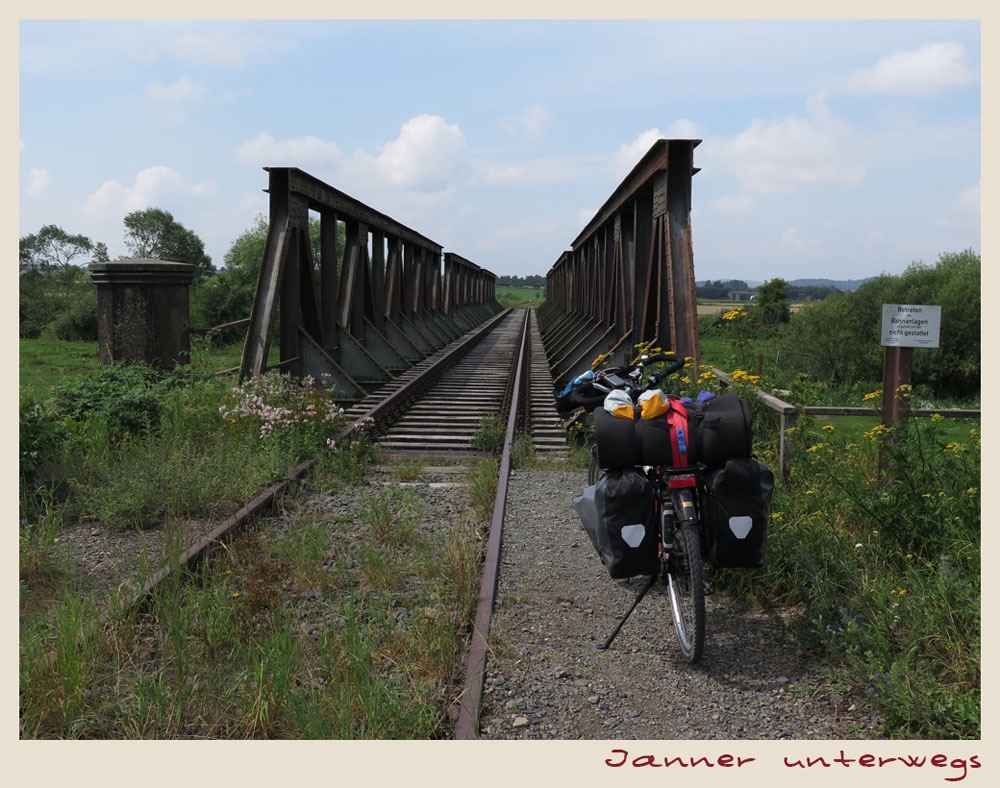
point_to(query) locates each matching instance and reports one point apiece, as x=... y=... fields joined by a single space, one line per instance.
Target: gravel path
x=556 y=603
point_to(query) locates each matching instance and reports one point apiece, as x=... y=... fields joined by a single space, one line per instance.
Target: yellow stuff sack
x=653 y=404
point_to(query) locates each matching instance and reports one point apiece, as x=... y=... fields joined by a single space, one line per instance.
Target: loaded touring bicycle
x=672 y=485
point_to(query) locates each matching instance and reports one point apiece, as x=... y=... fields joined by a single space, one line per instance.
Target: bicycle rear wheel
x=686 y=587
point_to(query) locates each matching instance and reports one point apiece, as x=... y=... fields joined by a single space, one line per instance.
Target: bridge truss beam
x=359 y=316
x=629 y=275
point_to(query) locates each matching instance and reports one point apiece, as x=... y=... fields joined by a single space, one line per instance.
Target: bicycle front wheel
x=594 y=470
x=686 y=586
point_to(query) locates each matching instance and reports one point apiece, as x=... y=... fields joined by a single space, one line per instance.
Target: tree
x=52 y=247
x=229 y=295
x=154 y=233
x=771 y=303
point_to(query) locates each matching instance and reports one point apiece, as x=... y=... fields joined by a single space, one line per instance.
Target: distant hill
x=839 y=284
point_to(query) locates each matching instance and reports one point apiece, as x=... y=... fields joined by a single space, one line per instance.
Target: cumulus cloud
x=794 y=152
x=38 y=182
x=304 y=152
x=628 y=155
x=921 y=72
x=151 y=186
x=429 y=155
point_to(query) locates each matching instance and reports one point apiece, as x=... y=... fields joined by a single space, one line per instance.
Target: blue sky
x=838 y=149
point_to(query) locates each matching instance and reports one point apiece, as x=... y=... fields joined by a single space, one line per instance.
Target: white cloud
x=184 y=90
x=628 y=155
x=968 y=201
x=794 y=152
x=226 y=48
x=532 y=122
x=38 y=182
x=923 y=71
x=793 y=238
x=429 y=155
x=536 y=172
x=683 y=129
x=535 y=120
x=738 y=204
x=152 y=186
x=305 y=152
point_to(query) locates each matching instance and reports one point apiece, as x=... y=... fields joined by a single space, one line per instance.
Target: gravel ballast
x=556 y=603
x=545 y=677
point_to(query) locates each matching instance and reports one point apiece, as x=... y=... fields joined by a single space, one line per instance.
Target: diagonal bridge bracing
x=380 y=297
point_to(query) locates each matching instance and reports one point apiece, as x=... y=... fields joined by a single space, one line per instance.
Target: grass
x=520 y=297
x=884 y=562
x=45 y=364
x=334 y=629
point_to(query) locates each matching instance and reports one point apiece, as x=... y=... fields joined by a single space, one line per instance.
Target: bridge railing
x=629 y=275
x=357 y=319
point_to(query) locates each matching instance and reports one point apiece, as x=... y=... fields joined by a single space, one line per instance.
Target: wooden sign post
x=904 y=327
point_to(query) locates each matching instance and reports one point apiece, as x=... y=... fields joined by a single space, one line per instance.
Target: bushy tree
x=56 y=296
x=154 y=233
x=52 y=247
x=771 y=303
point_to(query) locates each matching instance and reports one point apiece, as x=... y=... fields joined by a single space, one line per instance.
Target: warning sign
x=909 y=325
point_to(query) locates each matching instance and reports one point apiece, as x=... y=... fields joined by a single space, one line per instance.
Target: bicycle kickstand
x=604 y=646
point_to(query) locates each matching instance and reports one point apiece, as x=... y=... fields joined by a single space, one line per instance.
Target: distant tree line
x=521 y=281
x=718 y=289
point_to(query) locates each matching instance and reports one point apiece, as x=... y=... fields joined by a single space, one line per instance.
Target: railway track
x=433 y=412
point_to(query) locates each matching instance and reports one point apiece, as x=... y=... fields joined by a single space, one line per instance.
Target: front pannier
x=618 y=514
x=737 y=510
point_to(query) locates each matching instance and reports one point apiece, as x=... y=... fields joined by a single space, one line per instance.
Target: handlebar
x=591 y=395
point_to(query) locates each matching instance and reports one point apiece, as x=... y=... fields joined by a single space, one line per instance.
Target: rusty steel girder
x=362 y=314
x=629 y=275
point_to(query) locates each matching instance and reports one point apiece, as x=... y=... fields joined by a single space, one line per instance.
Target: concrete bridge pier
x=143 y=311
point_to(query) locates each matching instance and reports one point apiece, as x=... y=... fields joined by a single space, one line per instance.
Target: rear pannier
x=618 y=514
x=737 y=510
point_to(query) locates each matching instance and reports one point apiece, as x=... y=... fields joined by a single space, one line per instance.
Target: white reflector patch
x=740 y=526
x=632 y=535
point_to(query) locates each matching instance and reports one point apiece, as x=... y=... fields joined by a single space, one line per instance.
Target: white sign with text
x=909 y=325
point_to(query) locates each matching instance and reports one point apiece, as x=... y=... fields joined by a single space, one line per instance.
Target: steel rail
x=467 y=725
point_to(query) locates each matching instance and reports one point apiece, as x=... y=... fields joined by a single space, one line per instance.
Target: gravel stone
x=556 y=603
x=545 y=677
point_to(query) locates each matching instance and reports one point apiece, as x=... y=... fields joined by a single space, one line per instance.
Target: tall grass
x=878 y=539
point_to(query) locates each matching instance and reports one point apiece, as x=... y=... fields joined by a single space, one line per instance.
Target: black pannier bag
x=722 y=429
x=617 y=446
x=737 y=511
x=618 y=514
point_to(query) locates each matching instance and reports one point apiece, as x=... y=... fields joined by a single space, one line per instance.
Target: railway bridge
x=383 y=298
